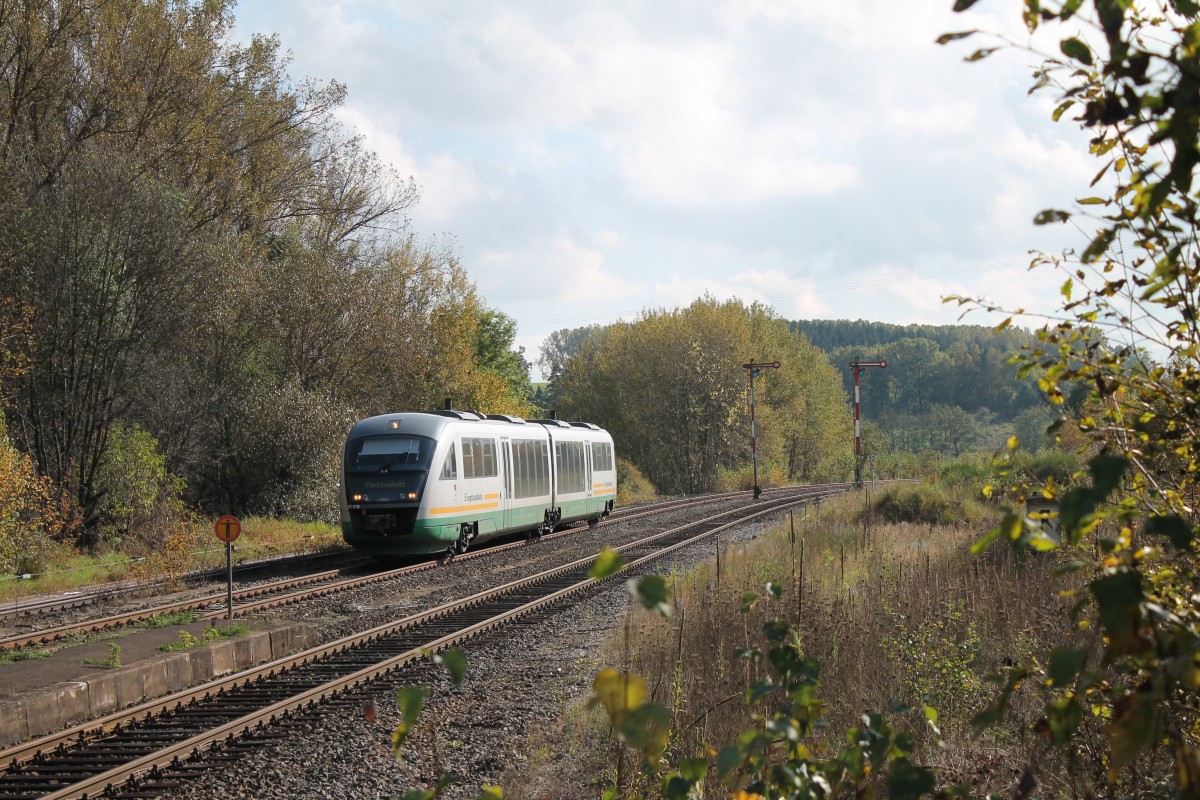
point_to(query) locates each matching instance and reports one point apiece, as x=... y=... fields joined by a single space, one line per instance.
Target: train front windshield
x=386 y=453
x=387 y=469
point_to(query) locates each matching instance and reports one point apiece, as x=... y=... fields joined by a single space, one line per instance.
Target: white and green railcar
x=428 y=482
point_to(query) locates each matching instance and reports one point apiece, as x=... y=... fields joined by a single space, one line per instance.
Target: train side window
x=479 y=458
x=602 y=456
x=489 y=458
x=450 y=466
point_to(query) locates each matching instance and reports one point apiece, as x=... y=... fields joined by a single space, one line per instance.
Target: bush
x=140 y=499
x=632 y=485
x=742 y=478
x=33 y=512
x=926 y=504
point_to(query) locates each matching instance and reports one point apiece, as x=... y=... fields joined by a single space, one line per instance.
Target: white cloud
x=561 y=271
x=447 y=184
x=594 y=158
x=792 y=296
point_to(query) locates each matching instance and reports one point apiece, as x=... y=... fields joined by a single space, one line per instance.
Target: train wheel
x=593 y=522
x=464 y=540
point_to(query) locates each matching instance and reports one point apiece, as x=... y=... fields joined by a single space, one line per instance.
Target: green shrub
x=632 y=485
x=925 y=504
x=140 y=497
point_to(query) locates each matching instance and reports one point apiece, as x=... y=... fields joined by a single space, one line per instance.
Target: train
x=432 y=482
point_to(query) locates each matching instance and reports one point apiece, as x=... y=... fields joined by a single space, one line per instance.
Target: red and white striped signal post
x=857 y=368
x=753 y=367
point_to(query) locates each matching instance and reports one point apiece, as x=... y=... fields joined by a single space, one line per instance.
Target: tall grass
x=898 y=614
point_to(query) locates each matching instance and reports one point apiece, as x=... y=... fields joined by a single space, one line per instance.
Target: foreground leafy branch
x=1130 y=73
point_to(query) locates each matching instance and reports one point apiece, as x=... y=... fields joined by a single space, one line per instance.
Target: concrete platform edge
x=37 y=713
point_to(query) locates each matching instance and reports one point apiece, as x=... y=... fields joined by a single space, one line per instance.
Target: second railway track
x=272 y=594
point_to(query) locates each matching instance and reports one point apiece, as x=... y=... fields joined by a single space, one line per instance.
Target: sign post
x=753 y=368
x=228 y=528
x=857 y=367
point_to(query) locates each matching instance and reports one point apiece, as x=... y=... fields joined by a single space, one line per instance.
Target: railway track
x=293 y=590
x=40 y=604
x=162 y=743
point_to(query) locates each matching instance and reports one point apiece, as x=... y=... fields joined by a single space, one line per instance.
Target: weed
x=113 y=659
x=186 y=640
x=24 y=654
x=185 y=617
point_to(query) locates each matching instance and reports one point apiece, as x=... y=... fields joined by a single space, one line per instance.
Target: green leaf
x=693 y=769
x=1091 y=201
x=981 y=54
x=983 y=543
x=1076 y=49
x=1119 y=597
x=677 y=787
x=1050 y=215
x=1061 y=109
x=756 y=691
x=963 y=5
x=419 y=794
x=1065 y=664
x=774 y=589
x=1132 y=727
x=651 y=591
x=1174 y=528
x=1063 y=715
x=946 y=38
x=1099 y=245
x=908 y=782
x=749 y=601
x=608 y=562
x=455 y=662
x=728 y=759
x=1069 y=8
x=489 y=792
x=410 y=700
x=1106 y=474
x=776 y=630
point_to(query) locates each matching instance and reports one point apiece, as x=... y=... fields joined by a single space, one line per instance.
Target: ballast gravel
x=519 y=681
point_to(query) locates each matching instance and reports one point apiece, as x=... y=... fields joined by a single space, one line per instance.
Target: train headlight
x=358 y=498
x=412 y=495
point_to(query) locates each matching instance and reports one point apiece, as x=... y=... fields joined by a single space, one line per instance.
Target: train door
x=587 y=449
x=506 y=492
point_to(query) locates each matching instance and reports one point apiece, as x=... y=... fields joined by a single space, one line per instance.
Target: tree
x=557 y=351
x=494 y=338
x=106 y=263
x=1131 y=74
x=671 y=389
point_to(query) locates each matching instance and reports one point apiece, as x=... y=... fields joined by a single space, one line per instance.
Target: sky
x=591 y=160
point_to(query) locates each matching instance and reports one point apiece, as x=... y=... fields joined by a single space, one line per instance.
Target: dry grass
x=195 y=548
x=898 y=615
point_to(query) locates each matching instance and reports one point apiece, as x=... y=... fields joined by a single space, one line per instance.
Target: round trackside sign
x=228 y=528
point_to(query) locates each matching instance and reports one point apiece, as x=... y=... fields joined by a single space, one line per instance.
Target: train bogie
x=417 y=483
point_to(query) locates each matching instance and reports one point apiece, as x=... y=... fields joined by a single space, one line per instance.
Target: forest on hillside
x=947 y=388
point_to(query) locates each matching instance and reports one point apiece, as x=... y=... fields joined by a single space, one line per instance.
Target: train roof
x=433 y=423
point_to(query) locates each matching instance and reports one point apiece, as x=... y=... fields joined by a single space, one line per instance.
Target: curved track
x=162 y=743
x=292 y=590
